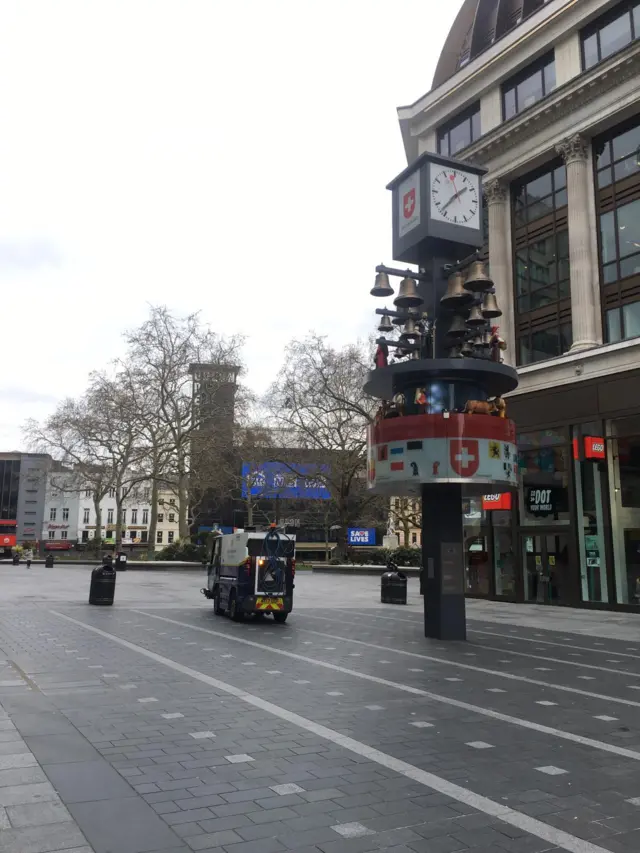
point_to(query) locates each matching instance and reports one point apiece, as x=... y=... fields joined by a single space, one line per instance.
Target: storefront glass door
x=545 y=558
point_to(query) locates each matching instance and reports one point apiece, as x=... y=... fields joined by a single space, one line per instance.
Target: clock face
x=455 y=197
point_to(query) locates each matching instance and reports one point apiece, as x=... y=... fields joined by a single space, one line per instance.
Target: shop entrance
x=545 y=557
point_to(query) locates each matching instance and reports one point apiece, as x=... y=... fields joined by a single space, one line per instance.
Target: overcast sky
x=228 y=156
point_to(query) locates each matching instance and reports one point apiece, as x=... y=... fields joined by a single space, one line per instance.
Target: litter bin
x=103 y=584
x=49 y=561
x=121 y=562
x=393 y=588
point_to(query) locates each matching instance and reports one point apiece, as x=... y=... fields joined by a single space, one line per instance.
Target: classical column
x=574 y=152
x=497 y=197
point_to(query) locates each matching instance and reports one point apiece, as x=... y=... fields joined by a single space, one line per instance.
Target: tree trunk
x=183 y=510
x=118 y=518
x=249 y=511
x=153 y=521
x=98 y=530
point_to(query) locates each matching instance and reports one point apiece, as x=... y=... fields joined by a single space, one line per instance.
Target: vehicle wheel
x=280 y=617
x=217 y=607
x=235 y=614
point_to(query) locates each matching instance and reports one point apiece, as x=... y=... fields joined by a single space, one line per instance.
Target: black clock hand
x=454 y=197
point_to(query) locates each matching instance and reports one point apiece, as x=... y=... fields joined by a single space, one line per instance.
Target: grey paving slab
x=87 y=781
x=41 y=839
x=123 y=825
x=67 y=748
x=37 y=814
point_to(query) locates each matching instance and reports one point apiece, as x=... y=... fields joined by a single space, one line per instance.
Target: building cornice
x=580 y=91
x=608 y=360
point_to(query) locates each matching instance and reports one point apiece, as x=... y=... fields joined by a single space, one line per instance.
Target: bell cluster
x=471 y=302
x=409 y=316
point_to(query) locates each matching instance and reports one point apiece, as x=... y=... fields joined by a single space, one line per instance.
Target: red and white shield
x=464 y=455
x=409 y=203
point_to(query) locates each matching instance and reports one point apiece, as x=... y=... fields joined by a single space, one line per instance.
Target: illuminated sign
x=361 y=536
x=594 y=447
x=496 y=502
x=277 y=480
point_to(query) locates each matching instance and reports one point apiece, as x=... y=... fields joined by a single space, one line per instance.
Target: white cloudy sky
x=228 y=156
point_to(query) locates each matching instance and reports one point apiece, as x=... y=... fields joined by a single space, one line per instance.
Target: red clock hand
x=453 y=181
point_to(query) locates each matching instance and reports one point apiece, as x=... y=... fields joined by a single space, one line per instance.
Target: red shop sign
x=594 y=447
x=503 y=501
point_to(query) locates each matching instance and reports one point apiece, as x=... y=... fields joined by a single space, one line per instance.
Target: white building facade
x=543 y=94
x=70 y=517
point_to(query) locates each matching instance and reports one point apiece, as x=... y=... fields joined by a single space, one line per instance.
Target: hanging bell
x=486 y=339
x=490 y=307
x=385 y=324
x=382 y=286
x=408 y=296
x=467 y=349
x=458 y=327
x=454 y=352
x=456 y=294
x=477 y=279
x=409 y=331
x=475 y=317
x=476 y=341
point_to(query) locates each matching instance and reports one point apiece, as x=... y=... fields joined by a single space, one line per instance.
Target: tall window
x=172 y=517
x=52 y=534
x=87 y=493
x=159 y=537
x=541 y=265
x=64 y=534
x=617 y=163
x=144 y=534
x=109 y=516
x=65 y=513
x=124 y=516
x=170 y=536
x=52 y=514
x=145 y=516
x=160 y=517
x=134 y=516
x=529 y=86
x=85 y=515
x=610 y=33
x=112 y=493
x=459 y=132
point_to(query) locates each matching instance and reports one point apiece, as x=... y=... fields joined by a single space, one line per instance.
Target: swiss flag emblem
x=409 y=203
x=464 y=455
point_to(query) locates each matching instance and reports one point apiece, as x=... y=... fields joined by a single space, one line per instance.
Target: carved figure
x=496 y=407
x=436 y=469
x=498 y=344
x=382 y=355
x=398 y=405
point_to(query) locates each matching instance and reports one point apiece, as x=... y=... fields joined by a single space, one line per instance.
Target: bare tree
x=69 y=435
x=164 y=348
x=406 y=515
x=319 y=397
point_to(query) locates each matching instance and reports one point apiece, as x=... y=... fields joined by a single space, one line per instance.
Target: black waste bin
x=121 y=562
x=49 y=561
x=393 y=588
x=103 y=585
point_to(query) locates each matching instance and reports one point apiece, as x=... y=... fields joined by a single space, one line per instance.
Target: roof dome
x=478 y=25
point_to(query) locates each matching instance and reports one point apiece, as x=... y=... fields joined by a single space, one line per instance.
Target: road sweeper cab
x=252 y=573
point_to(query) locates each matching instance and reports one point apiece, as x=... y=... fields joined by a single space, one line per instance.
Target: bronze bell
x=408 y=296
x=385 y=324
x=486 y=339
x=456 y=294
x=454 y=352
x=475 y=317
x=467 y=349
x=476 y=341
x=490 y=307
x=409 y=331
x=477 y=279
x=382 y=286
x=458 y=327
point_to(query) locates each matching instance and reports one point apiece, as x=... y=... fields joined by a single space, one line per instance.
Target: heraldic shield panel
x=405 y=452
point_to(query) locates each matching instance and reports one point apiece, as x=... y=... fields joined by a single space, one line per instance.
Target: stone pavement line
x=545 y=832
x=32 y=815
x=573 y=663
x=498 y=673
x=416 y=691
x=561 y=645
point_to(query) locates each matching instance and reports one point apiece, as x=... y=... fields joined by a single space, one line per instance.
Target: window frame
x=454 y=123
x=528 y=72
x=610 y=198
x=555 y=315
x=595 y=27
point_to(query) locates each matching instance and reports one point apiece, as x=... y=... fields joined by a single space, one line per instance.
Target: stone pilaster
x=496 y=194
x=584 y=278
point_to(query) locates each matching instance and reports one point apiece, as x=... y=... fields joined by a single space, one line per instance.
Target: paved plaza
x=157 y=727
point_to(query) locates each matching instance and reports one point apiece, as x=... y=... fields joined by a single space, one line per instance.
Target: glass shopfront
x=490 y=563
x=623 y=466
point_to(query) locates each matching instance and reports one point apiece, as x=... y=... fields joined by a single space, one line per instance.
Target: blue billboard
x=277 y=480
x=361 y=536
